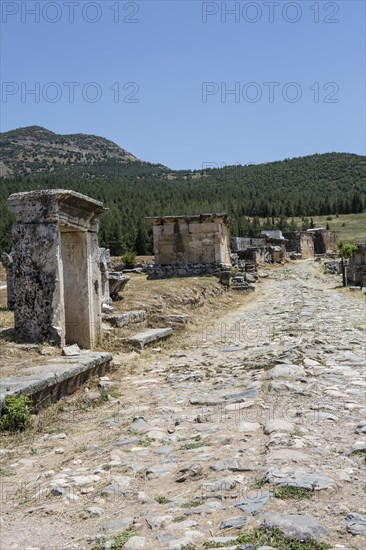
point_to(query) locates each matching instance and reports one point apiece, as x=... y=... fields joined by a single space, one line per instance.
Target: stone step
x=142 y=339
x=46 y=383
x=173 y=319
x=127 y=318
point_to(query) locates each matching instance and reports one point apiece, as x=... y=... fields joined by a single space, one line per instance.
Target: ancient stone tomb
x=190 y=245
x=56 y=274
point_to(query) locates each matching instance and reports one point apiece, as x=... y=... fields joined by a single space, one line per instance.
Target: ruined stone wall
x=191 y=242
x=356 y=270
x=329 y=242
x=293 y=241
x=183 y=270
x=37 y=271
x=307 y=245
x=240 y=244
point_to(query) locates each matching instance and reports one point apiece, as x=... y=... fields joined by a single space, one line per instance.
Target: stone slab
x=300 y=478
x=356 y=524
x=294 y=526
x=146 y=337
x=49 y=382
x=127 y=318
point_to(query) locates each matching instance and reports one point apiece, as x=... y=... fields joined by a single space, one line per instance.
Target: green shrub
x=129 y=260
x=16 y=416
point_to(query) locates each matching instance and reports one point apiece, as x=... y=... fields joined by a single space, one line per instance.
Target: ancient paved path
x=268 y=397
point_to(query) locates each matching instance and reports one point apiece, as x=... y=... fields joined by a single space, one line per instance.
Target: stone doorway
x=57 y=280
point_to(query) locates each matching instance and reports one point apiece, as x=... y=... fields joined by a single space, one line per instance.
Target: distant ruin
x=57 y=279
x=271 y=246
x=268 y=247
x=186 y=246
x=313 y=242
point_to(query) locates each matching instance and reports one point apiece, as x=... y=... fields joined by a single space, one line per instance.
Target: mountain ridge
x=34 y=149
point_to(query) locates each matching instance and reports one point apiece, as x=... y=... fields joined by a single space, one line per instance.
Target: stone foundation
x=47 y=383
x=184 y=270
x=190 y=246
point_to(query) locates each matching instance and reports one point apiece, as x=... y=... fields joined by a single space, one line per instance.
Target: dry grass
x=351 y=227
x=202 y=298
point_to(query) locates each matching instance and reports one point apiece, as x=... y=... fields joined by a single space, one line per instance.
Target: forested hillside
x=132 y=189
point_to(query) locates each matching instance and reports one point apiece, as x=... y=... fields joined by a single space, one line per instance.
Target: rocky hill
x=35 y=149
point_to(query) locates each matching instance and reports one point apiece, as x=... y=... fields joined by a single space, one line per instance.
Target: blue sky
x=155 y=76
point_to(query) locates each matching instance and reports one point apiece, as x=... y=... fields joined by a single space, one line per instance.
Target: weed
x=116 y=543
x=212 y=544
x=16 y=416
x=195 y=445
x=259 y=482
x=267 y=535
x=192 y=504
x=359 y=452
x=162 y=500
x=145 y=442
x=288 y=491
x=103 y=393
x=120 y=540
x=178 y=519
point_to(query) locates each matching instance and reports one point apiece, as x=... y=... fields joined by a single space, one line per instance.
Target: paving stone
x=116 y=525
x=278 y=426
x=356 y=524
x=125 y=441
x=232 y=464
x=140 y=425
x=234 y=523
x=287 y=371
x=205 y=399
x=361 y=428
x=248 y=427
x=254 y=503
x=135 y=543
x=295 y=526
x=300 y=478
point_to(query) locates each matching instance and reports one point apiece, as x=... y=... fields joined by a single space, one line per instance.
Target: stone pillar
x=104 y=260
x=57 y=280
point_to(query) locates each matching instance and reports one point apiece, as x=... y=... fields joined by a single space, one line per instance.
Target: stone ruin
x=269 y=247
x=57 y=282
x=188 y=246
x=311 y=243
x=113 y=282
x=356 y=269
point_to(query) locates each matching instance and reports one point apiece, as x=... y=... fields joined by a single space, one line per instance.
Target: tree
x=346 y=251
